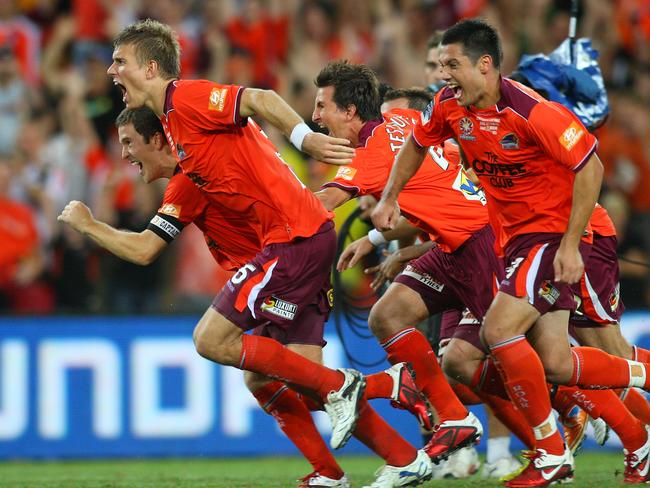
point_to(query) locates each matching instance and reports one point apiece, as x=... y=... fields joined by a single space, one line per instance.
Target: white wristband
x=376 y=238
x=298 y=134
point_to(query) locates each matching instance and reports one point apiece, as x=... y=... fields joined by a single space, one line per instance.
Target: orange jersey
x=235 y=164
x=18 y=235
x=439 y=199
x=525 y=150
x=600 y=222
x=231 y=239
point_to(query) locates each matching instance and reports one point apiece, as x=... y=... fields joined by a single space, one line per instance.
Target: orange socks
x=409 y=345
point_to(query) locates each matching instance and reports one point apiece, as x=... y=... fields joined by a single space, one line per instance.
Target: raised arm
x=568 y=263
x=140 y=248
x=269 y=105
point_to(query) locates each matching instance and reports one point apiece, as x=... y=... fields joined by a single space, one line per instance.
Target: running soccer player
x=537 y=164
x=237 y=168
x=347 y=104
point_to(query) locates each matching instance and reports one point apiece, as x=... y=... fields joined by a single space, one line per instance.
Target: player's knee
x=210 y=345
x=557 y=368
x=255 y=381
x=456 y=364
x=381 y=321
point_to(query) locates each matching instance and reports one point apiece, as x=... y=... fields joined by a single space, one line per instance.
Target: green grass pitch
x=594 y=469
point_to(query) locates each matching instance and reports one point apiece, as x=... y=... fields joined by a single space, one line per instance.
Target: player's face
x=432 y=69
x=128 y=75
x=139 y=153
x=328 y=115
x=463 y=76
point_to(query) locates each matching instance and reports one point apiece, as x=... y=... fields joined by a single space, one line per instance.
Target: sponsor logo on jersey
x=571 y=136
x=488 y=125
x=548 y=292
x=346 y=173
x=615 y=298
x=279 y=307
x=509 y=142
x=171 y=209
x=217 y=99
x=466 y=127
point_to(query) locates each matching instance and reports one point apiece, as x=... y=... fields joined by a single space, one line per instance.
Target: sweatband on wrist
x=376 y=238
x=298 y=134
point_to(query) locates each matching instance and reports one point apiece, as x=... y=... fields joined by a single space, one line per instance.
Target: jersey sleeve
x=361 y=177
x=432 y=129
x=561 y=135
x=208 y=105
x=182 y=204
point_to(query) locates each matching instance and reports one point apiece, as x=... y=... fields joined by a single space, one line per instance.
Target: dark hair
x=153 y=41
x=477 y=38
x=418 y=98
x=144 y=120
x=435 y=39
x=354 y=84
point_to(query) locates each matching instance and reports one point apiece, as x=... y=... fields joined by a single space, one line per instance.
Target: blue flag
x=579 y=86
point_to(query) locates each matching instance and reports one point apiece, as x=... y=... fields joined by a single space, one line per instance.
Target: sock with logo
x=270 y=358
x=381 y=438
x=524 y=379
x=296 y=422
x=593 y=368
x=409 y=345
x=637 y=404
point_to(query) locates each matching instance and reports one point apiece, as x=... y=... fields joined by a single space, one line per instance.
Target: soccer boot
x=316 y=480
x=601 y=430
x=451 y=435
x=412 y=474
x=405 y=394
x=342 y=407
x=637 y=463
x=542 y=469
x=574 y=424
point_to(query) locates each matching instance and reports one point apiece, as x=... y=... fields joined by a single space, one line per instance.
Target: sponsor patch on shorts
x=548 y=292
x=279 y=307
x=423 y=278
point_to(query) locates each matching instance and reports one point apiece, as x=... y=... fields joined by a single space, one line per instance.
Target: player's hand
x=568 y=265
x=328 y=149
x=385 y=215
x=77 y=215
x=353 y=253
x=387 y=270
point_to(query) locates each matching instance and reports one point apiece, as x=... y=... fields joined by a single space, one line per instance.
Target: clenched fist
x=77 y=215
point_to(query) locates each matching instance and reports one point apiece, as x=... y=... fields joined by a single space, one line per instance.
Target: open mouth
x=122 y=88
x=138 y=164
x=458 y=91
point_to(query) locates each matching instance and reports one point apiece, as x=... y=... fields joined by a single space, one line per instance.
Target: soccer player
x=538 y=166
x=347 y=104
x=238 y=170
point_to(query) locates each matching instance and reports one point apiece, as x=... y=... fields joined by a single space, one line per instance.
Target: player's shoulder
x=180 y=184
x=519 y=99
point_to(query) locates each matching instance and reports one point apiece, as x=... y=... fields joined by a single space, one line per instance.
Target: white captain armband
x=298 y=134
x=165 y=227
x=376 y=238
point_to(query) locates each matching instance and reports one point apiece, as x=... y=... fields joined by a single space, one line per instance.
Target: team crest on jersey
x=571 y=136
x=346 y=173
x=279 y=307
x=180 y=151
x=509 y=142
x=171 y=209
x=548 y=292
x=217 y=99
x=614 y=300
x=466 y=128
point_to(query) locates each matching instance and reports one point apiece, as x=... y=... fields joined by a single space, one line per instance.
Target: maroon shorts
x=459 y=325
x=467 y=277
x=598 y=292
x=284 y=292
x=530 y=273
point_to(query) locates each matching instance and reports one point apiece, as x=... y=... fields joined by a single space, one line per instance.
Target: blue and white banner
x=79 y=387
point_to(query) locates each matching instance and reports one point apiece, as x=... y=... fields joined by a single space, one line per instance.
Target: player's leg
x=294 y=418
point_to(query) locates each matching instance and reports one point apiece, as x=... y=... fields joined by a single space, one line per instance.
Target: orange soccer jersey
x=234 y=163
x=230 y=238
x=600 y=222
x=525 y=150
x=439 y=199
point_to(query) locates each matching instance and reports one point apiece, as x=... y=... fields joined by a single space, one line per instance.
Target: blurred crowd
x=58 y=142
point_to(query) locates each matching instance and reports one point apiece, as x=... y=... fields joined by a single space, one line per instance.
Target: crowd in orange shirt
x=57 y=108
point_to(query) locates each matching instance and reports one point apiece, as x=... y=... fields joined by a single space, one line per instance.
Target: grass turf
x=600 y=469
